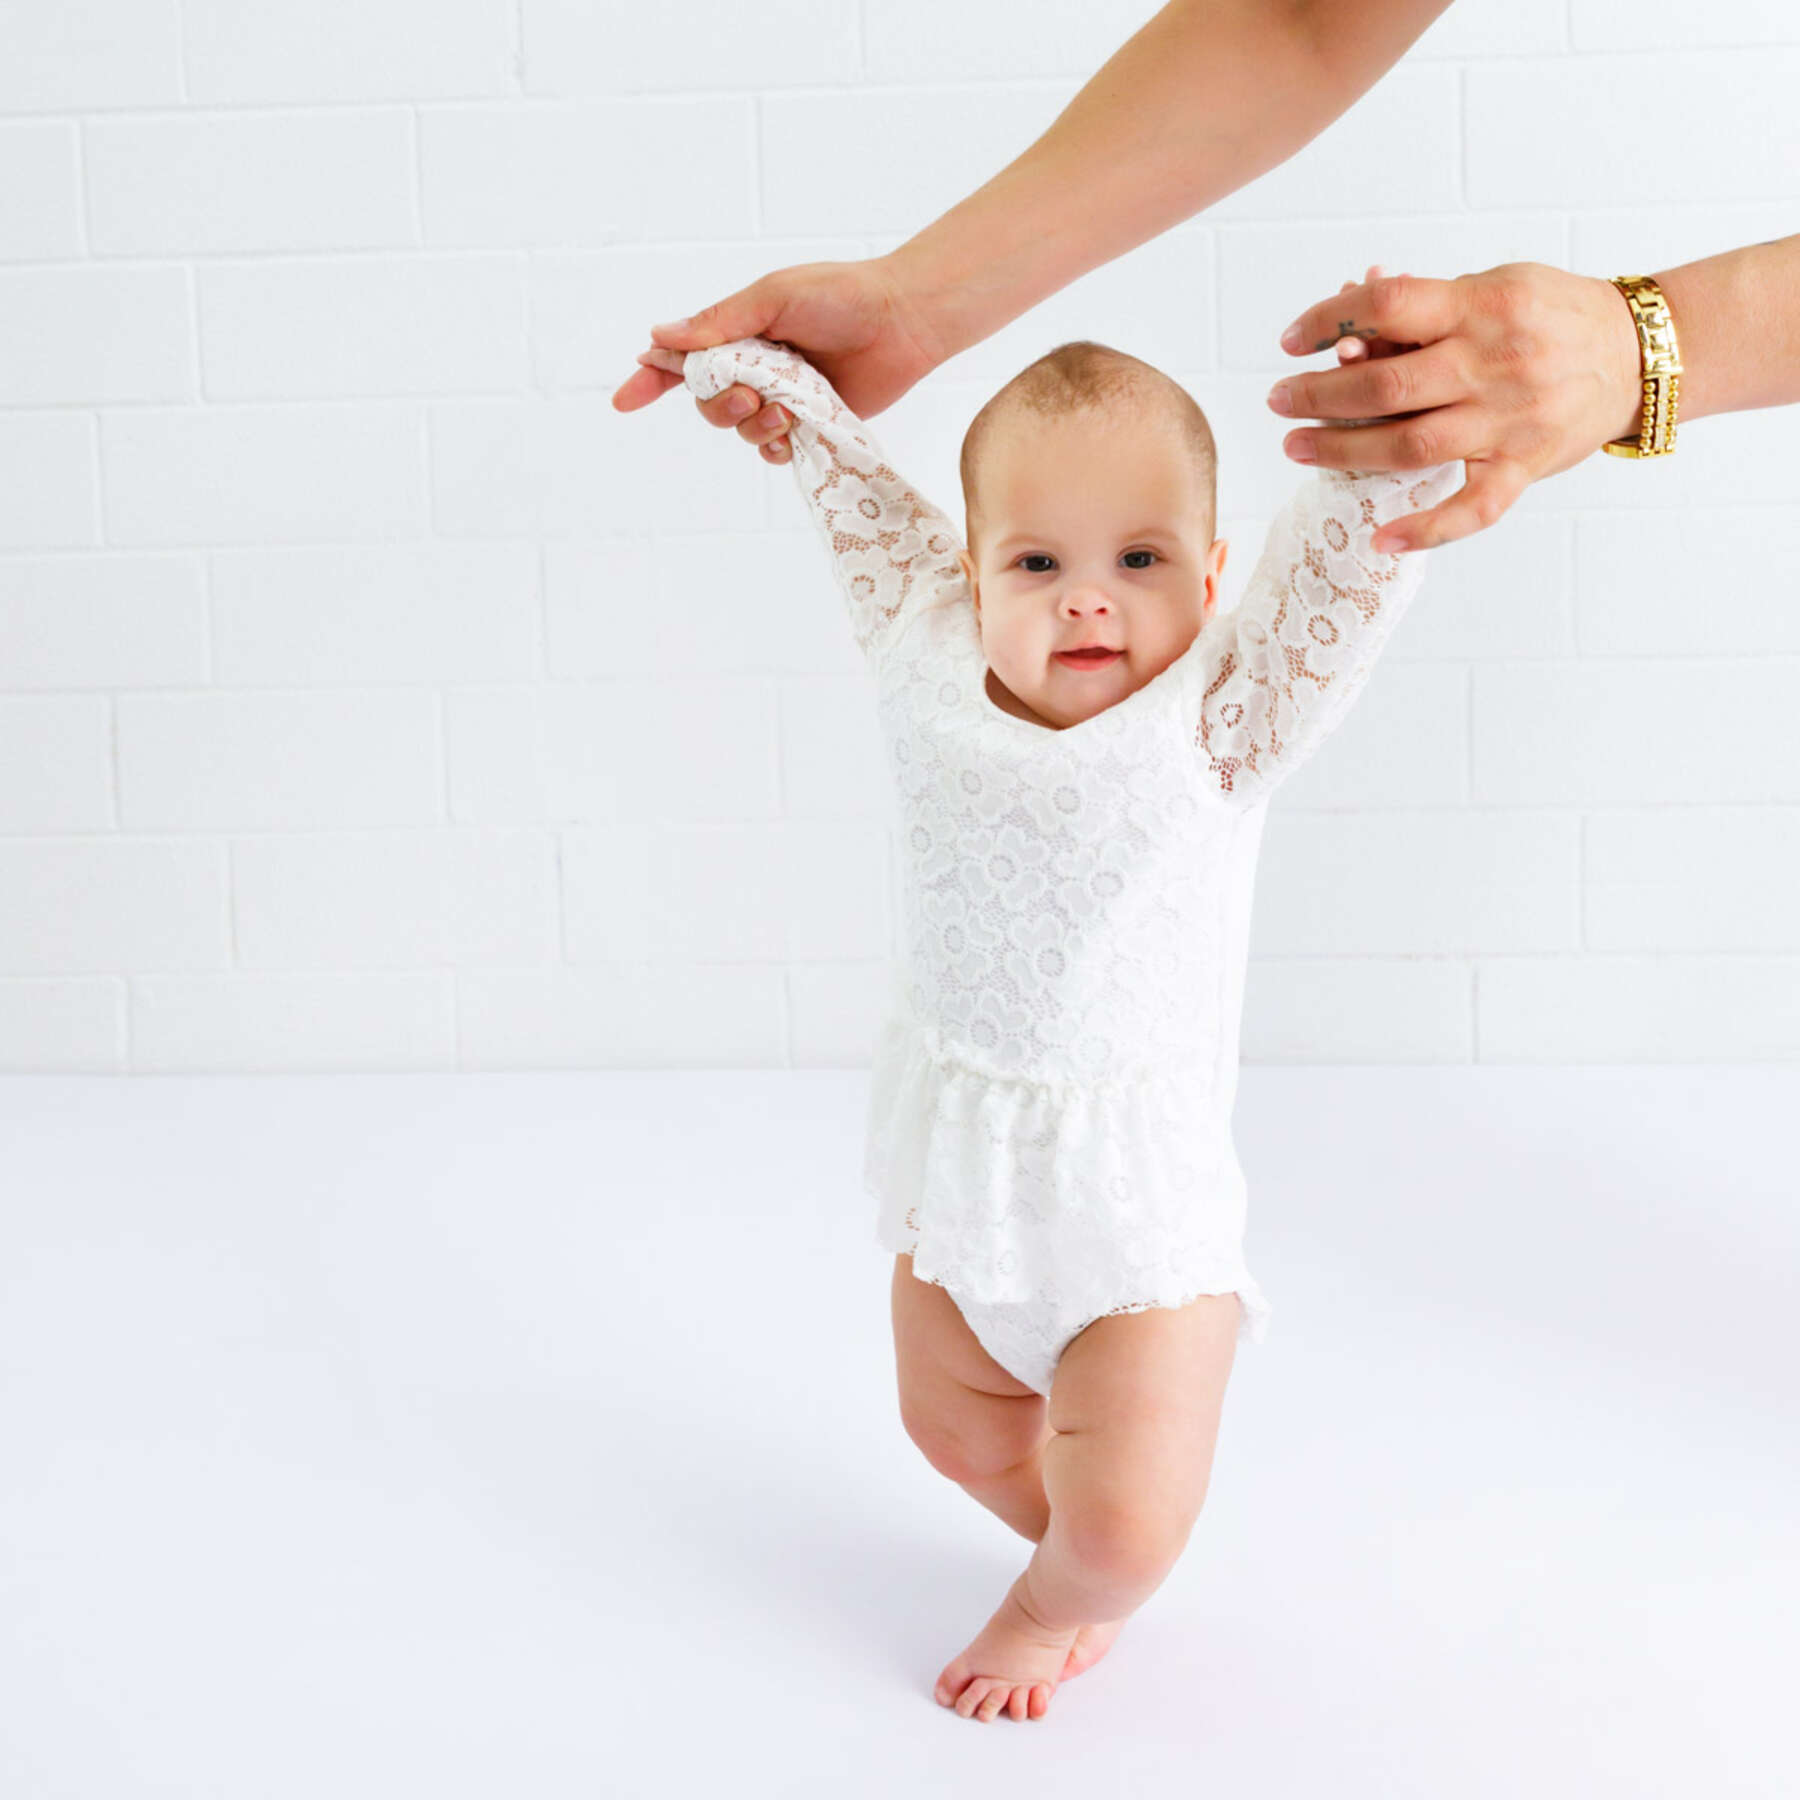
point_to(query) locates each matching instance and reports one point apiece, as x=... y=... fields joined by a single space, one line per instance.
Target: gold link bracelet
x=1660 y=359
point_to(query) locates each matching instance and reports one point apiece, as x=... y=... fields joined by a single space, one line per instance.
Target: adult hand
x=1519 y=372
x=854 y=321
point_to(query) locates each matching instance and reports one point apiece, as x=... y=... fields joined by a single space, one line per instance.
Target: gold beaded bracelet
x=1660 y=358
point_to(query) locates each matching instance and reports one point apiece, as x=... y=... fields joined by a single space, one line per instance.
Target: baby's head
x=1089 y=487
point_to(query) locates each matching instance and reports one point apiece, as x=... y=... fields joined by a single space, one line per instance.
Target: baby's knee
x=1119 y=1526
x=977 y=1439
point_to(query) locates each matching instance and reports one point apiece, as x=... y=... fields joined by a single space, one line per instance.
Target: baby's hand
x=768 y=425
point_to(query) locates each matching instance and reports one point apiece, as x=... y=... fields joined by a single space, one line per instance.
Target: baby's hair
x=1086 y=376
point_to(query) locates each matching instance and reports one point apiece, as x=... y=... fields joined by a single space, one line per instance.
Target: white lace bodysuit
x=1049 y=1123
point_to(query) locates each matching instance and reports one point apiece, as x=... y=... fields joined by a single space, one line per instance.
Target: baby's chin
x=1061 y=703
x=1086 y=706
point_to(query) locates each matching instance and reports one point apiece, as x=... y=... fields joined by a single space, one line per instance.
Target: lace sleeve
x=894 y=553
x=1276 y=673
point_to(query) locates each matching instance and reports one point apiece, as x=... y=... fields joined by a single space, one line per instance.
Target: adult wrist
x=1626 y=364
x=953 y=303
x=925 y=295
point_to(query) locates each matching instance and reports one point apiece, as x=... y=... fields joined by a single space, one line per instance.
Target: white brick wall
x=372 y=695
x=203 y=183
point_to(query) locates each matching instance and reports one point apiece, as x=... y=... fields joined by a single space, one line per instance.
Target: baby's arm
x=893 y=552
x=1275 y=674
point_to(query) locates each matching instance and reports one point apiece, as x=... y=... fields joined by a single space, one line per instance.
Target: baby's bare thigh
x=1150 y=1386
x=957 y=1403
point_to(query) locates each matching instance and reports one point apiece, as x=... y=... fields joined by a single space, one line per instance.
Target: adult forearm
x=1737 y=320
x=1206 y=96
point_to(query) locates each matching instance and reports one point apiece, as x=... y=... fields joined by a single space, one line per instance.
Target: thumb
x=739 y=315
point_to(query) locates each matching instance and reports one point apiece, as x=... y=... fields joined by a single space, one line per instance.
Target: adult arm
x=1206 y=96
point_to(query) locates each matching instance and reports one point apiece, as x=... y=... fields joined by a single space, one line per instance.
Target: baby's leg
x=1134 y=1409
x=977 y=1424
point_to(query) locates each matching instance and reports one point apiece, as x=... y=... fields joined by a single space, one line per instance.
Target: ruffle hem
x=1092 y=1197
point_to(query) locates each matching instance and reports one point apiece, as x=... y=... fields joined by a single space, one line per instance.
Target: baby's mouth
x=1095 y=657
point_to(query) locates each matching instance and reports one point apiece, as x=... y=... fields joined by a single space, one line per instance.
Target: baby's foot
x=1013 y=1664
x=1091 y=1643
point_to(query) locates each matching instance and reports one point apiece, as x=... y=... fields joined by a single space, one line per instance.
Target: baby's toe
x=973 y=1696
x=953 y=1682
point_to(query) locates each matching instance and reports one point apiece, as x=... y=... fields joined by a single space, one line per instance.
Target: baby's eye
x=1031 y=556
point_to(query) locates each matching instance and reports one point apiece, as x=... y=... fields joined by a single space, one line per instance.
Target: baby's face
x=1093 y=532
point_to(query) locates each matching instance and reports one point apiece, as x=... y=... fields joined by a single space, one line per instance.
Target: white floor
x=535 y=1435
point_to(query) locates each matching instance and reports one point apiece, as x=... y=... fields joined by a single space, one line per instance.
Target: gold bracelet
x=1660 y=360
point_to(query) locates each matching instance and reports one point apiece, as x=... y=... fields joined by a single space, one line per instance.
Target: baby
x=1084 y=755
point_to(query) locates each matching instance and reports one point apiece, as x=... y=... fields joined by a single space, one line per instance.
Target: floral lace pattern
x=892 y=552
x=1050 y=1104
x=1281 y=669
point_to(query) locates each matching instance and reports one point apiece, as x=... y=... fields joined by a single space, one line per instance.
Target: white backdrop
x=374 y=696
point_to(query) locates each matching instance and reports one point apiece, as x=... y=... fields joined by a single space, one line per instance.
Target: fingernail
x=740 y=404
x=1290 y=339
x=1301 y=450
x=1280 y=399
x=675 y=325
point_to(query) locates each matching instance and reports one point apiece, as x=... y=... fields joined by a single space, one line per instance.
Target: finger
x=733 y=406
x=641 y=387
x=1378 y=387
x=1486 y=494
x=772 y=422
x=1410 y=309
x=743 y=314
x=1350 y=348
x=1439 y=434
x=1376 y=347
